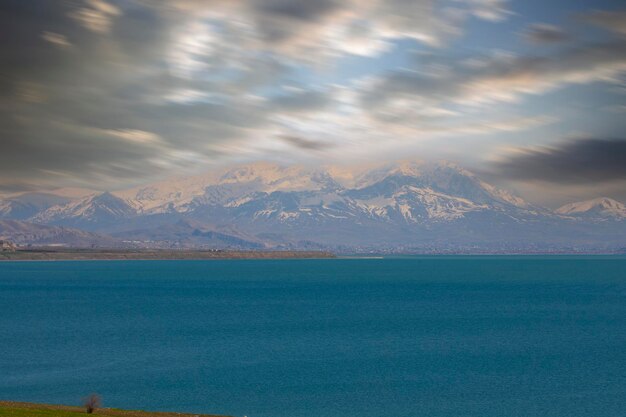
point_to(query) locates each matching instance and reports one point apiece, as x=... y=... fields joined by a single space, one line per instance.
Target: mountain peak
x=598 y=207
x=93 y=208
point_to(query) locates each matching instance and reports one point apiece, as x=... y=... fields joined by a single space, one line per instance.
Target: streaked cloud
x=501 y=78
x=101 y=93
x=134 y=135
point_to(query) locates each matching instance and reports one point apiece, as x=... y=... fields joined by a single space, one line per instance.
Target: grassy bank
x=17 y=409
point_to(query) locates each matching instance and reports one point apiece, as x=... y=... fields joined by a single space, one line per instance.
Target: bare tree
x=91 y=402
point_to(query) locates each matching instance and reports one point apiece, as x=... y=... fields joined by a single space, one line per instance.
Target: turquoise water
x=440 y=336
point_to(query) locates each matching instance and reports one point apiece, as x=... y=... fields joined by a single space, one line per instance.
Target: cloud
x=308 y=30
x=360 y=27
x=301 y=101
x=501 y=78
x=491 y=10
x=302 y=143
x=97 y=15
x=491 y=126
x=289 y=21
x=103 y=92
x=56 y=39
x=134 y=135
x=611 y=20
x=577 y=161
x=545 y=34
x=108 y=111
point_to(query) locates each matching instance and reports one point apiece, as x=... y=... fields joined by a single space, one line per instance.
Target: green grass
x=16 y=409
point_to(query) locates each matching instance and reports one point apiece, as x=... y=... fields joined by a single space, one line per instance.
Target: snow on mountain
x=222 y=186
x=451 y=179
x=505 y=196
x=272 y=177
x=441 y=176
x=600 y=208
x=167 y=196
x=356 y=177
x=98 y=208
x=416 y=205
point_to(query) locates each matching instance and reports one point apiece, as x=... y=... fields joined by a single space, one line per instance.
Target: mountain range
x=408 y=206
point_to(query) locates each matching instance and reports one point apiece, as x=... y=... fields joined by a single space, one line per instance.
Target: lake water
x=430 y=336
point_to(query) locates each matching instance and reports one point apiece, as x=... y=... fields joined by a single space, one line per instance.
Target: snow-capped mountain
x=402 y=205
x=103 y=208
x=26 y=205
x=602 y=208
x=222 y=187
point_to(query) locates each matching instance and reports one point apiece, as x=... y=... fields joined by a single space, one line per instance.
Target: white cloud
x=491 y=10
x=194 y=44
x=96 y=16
x=56 y=39
x=135 y=135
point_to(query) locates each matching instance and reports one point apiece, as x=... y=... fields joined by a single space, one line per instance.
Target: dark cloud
x=303 y=10
x=283 y=23
x=302 y=143
x=575 y=162
x=545 y=34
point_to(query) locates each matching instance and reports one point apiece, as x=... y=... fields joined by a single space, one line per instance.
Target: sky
x=109 y=94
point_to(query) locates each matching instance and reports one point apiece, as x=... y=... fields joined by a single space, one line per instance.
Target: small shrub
x=91 y=402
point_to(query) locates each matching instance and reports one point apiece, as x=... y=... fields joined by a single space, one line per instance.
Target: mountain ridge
x=24 y=233
x=409 y=204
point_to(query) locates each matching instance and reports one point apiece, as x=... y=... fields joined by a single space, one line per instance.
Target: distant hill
x=189 y=234
x=23 y=233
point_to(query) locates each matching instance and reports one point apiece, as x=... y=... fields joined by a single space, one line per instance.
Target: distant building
x=6 y=246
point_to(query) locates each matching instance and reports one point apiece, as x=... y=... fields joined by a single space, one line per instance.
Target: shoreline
x=154 y=255
x=77 y=254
